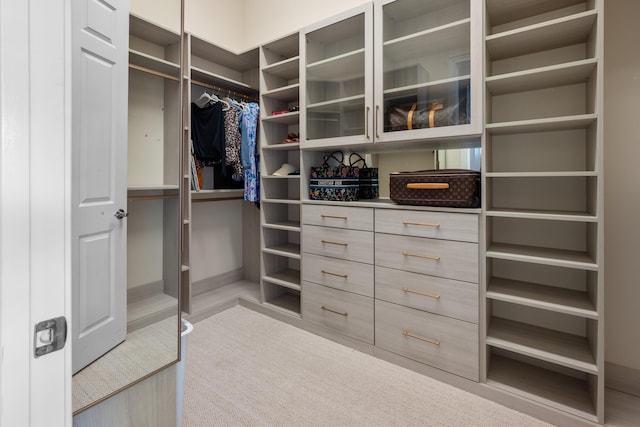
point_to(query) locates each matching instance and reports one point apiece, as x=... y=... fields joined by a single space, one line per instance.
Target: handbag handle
x=427 y=185
x=356 y=161
x=325 y=161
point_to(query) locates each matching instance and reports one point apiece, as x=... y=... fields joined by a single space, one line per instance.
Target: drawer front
x=337 y=273
x=441 y=342
x=435 y=225
x=338 y=216
x=446 y=297
x=352 y=245
x=442 y=258
x=344 y=312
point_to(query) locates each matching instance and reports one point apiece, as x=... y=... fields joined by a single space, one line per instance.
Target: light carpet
x=247 y=369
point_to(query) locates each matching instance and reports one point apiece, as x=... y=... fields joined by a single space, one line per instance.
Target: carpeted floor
x=247 y=369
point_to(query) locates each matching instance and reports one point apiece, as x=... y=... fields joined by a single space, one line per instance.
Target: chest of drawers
x=404 y=280
x=337 y=269
x=426 y=288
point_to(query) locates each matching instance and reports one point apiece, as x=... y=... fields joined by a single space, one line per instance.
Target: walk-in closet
x=504 y=298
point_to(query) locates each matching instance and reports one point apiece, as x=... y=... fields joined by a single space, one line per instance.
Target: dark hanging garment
x=207 y=133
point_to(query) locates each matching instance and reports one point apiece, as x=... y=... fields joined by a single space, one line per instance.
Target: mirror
x=153 y=225
x=459 y=158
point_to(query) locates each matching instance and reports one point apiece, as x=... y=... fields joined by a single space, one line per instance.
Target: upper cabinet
x=388 y=71
x=337 y=78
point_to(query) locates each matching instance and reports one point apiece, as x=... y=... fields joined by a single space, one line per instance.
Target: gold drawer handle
x=433 y=258
x=344 y=276
x=334 y=217
x=408 y=334
x=334 y=311
x=411 y=291
x=329 y=242
x=422 y=224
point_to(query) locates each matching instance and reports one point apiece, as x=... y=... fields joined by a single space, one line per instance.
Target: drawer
x=441 y=342
x=435 y=225
x=344 y=312
x=446 y=297
x=337 y=273
x=352 y=245
x=442 y=258
x=338 y=216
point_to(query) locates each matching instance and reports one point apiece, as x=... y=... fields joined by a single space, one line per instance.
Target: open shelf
x=505 y=11
x=290 y=250
x=285 y=93
x=153 y=63
x=203 y=76
x=286 y=303
x=581 y=121
x=561 y=391
x=560 y=348
x=567 y=301
x=550 y=256
x=542 y=36
x=283 y=225
x=288 y=278
x=285 y=119
x=543 y=215
x=542 y=77
x=287 y=69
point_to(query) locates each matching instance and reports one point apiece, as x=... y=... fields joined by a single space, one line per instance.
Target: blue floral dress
x=248 y=152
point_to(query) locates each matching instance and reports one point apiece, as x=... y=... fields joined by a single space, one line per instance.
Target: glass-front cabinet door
x=338 y=80
x=428 y=63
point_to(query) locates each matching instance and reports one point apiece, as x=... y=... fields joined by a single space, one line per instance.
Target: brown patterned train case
x=458 y=188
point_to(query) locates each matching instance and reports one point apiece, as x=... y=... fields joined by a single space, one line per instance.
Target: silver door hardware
x=121 y=213
x=49 y=336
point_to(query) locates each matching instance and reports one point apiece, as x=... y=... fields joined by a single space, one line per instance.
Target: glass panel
x=426 y=53
x=335 y=80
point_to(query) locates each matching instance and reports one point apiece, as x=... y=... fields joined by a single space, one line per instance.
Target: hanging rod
x=222 y=90
x=215 y=199
x=154 y=72
x=152 y=197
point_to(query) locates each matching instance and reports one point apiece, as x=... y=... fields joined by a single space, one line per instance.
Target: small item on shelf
x=294 y=109
x=277 y=113
x=456 y=188
x=337 y=183
x=285 y=169
x=292 y=137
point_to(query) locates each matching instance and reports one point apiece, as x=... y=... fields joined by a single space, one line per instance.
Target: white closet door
x=99 y=177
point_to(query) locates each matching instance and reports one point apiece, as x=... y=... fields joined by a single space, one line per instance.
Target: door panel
x=99 y=178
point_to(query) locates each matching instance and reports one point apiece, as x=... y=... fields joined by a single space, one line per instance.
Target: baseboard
x=215 y=282
x=144 y=291
x=623 y=379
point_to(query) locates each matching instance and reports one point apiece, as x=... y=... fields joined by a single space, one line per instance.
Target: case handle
x=428 y=185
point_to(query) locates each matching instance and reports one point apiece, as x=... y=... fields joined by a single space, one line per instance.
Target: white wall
x=267 y=20
x=165 y=13
x=239 y=26
x=622 y=175
x=220 y=22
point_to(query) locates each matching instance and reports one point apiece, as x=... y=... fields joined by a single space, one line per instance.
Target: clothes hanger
x=204 y=100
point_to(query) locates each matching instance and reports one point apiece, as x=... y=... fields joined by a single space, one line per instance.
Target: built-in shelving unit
x=212 y=69
x=542 y=209
x=280 y=200
x=154 y=202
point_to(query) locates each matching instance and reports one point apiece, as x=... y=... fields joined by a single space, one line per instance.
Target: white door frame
x=35 y=285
